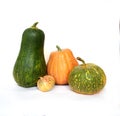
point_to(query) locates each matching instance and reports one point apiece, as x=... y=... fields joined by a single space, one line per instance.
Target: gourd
x=30 y=63
x=87 y=78
x=60 y=63
x=46 y=83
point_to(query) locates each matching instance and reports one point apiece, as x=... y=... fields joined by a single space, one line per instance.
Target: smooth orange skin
x=60 y=64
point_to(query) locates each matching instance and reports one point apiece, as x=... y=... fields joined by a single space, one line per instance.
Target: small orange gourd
x=60 y=64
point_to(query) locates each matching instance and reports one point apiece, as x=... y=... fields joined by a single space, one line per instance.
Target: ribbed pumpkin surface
x=60 y=64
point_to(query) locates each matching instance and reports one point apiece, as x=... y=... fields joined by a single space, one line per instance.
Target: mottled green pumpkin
x=87 y=78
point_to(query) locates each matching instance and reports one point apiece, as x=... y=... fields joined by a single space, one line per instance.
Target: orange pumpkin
x=60 y=64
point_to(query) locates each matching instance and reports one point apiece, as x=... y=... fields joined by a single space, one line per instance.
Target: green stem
x=58 y=48
x=34 y=25
x=80 y=59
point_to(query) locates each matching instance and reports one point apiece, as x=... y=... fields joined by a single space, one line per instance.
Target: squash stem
x=58 y=48
x=80 y=59
x=34 y=25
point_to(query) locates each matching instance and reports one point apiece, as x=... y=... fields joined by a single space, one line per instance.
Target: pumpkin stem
x=80 y=59
x=58 y=48
x=34 y=25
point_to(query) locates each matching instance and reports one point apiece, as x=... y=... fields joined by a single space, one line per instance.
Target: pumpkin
x=46 y=83
x=87 y=78
x=59 y=65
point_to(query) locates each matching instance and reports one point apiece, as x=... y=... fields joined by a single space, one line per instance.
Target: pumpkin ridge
x=73 y=60
x=62 y=68
x=50 y=63
x=67 y=58
x=55 y=70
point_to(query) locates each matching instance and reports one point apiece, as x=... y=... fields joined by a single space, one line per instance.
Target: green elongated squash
x=30 y=63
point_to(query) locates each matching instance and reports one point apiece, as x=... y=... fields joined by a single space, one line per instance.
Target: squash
x=87 y=78
x=46 y=83
x=30 y=63
x=59 y=65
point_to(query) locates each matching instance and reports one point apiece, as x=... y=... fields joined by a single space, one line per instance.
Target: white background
x=90 y=28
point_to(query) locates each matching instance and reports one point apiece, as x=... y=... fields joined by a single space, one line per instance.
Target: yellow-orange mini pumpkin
x=60 y=64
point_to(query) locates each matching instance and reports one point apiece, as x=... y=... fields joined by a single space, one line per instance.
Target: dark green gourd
x=30 y=63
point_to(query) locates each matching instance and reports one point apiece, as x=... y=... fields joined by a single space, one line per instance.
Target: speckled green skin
x=87 y=79
x=30 y=63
